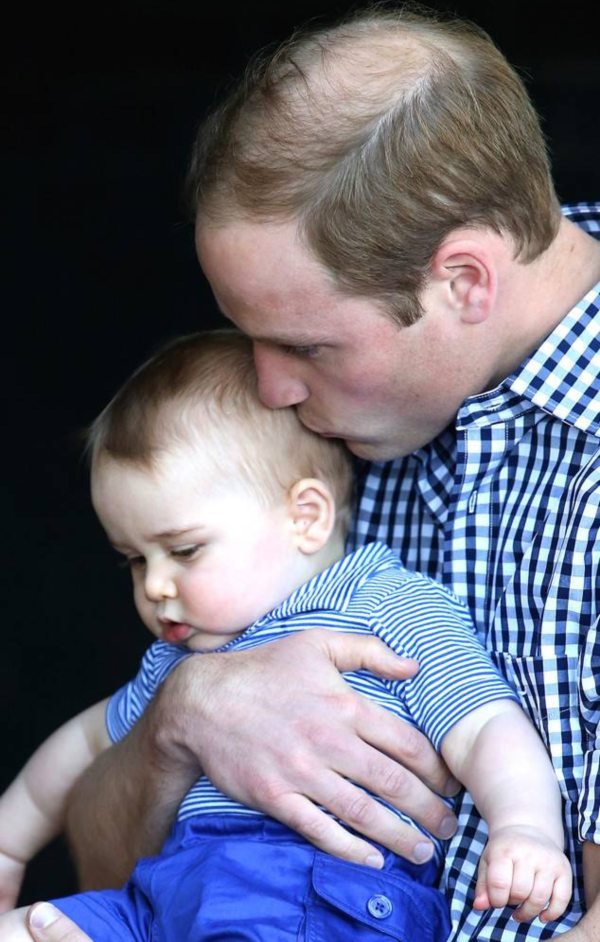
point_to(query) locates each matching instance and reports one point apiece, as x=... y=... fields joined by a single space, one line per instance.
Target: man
x=375 y=210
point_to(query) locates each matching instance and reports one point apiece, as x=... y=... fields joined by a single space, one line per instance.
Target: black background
x=103 y=105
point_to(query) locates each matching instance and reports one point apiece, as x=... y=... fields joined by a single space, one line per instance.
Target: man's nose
x=279 y=384
x=159 y=584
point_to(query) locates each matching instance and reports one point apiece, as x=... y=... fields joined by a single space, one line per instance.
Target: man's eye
x=308 y=351
x=186 y=552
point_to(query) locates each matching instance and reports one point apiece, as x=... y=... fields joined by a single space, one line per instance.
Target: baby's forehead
x=160 y=464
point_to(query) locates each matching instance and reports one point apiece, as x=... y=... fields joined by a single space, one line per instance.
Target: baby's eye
x=135 y=562
x=186 y=552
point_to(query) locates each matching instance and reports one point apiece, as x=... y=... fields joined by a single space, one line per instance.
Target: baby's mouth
x=175 y=632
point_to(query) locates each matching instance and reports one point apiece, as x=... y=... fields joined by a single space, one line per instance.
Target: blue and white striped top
x=504 y=509
x=367 y=592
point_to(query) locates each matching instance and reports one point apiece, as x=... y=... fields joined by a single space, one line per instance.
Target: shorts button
x=379 y=906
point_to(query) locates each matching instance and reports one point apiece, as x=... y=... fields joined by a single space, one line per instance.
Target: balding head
x=379 y=136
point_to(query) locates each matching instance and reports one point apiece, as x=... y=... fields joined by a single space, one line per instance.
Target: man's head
x=221 y=506
x=358 y=199
x=377 y=138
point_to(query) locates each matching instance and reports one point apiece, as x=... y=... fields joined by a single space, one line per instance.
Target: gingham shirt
x=366 y=592
x=504 y=509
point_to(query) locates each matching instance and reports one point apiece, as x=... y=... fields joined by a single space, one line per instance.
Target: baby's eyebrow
x=179 y=531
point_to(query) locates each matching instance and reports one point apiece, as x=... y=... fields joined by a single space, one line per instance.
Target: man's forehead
x=270 y=287
x=260 y=256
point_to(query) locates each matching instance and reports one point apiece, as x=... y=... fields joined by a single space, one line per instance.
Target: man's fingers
x=312 y=739
x=320 y=829
x=353 y=652
x=396 y=785
x=47 y=924
x=400 y=741
x=375 y=725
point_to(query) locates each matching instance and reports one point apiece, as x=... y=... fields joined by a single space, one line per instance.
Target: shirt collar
x=335 y=586
x=562 y=377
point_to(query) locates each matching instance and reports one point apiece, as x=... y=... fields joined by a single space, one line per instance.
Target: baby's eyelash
x=131 y=562
x=186 y=552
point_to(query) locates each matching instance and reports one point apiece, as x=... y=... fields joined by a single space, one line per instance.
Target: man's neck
x=537 y=296
x=569 y=269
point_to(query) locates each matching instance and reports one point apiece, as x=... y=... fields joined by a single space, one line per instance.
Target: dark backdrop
x=104 y=101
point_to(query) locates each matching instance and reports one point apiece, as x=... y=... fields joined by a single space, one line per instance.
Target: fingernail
x=43 y=915
x=422 y=852
x=375 y=861
x=447 y=827
x=453 y=786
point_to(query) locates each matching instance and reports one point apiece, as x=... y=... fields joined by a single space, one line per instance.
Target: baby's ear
x=312 y=512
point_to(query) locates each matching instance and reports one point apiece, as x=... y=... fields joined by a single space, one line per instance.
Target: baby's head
x=221 y=506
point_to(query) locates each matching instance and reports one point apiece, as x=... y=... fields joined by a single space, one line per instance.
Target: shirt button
x=379 y=906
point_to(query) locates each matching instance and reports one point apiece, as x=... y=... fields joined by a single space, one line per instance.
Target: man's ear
x=466 y=269
x=312 y=513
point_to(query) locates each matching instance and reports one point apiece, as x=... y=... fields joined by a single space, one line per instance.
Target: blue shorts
x=232 y=878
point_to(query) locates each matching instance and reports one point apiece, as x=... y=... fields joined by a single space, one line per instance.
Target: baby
x=232 y=519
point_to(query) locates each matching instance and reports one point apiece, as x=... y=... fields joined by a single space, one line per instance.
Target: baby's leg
x=13 y=927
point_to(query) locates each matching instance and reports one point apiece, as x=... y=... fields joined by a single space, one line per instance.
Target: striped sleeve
x=424 y=621
x=129 y=702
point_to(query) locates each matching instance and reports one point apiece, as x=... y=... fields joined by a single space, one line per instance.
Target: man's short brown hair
x=379 y=136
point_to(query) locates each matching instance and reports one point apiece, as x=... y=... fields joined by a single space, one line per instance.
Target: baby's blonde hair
x=201 y=390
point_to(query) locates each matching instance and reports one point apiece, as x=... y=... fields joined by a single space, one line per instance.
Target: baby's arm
x=501 y=760
x=32 y=807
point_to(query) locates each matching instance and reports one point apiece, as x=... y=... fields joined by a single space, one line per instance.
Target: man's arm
x=283 y=747
x=588 y=928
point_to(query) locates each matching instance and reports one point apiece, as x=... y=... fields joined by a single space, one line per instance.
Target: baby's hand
x=12 y=872
x=522 y=867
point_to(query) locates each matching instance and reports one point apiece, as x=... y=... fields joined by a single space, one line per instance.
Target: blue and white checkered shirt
x=504 y=509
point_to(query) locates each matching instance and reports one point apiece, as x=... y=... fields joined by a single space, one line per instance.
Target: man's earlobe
x=312 y=512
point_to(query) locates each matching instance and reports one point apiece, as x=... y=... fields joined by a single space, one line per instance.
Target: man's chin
x=373 y=451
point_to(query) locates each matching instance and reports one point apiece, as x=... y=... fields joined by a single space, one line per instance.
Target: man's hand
x=278 y=729
x=522 y=867
x=47 y=924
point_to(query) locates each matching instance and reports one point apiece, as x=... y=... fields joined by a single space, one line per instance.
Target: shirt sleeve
x=423 y=620
x=129 y=702
x=589 y=699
